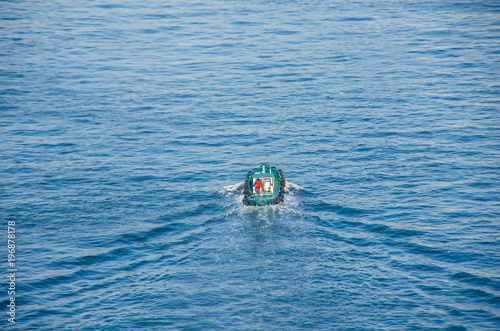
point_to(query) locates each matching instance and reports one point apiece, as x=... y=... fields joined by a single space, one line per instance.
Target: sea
x=127 y=129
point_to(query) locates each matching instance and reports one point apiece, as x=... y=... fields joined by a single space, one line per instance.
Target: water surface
x=126 y=131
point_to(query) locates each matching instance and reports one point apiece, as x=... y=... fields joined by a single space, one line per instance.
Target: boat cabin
x=267 y=184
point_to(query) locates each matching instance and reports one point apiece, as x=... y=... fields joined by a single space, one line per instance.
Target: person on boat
x=257 y=186
x=267 y=186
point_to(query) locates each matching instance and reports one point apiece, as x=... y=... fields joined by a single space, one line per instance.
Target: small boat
x=264 y=185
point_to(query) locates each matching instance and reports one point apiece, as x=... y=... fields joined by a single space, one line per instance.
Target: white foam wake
x=291 y=187
x=233 y=188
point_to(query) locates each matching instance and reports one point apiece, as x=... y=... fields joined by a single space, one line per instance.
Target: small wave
x=339 y=208
x=231 y=188
x=291 y=187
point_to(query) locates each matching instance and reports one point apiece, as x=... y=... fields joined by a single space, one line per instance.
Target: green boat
x=264 y=186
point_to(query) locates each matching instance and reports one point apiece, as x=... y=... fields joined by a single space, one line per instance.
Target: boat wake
x=260 y=235
x=236 y=211
x=291 y=188
x=231 y=189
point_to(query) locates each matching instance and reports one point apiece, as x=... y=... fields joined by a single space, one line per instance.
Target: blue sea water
x=127 y=128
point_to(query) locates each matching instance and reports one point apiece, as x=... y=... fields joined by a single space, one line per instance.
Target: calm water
x=127 y=128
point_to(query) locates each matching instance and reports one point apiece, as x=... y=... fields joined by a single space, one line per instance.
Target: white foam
x=233 y=188
x=291 y=187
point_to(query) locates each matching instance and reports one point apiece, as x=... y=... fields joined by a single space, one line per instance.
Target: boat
x=264 y=186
